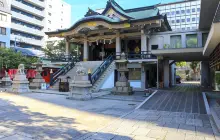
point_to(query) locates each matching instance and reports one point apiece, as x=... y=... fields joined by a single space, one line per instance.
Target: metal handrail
x=62 y=71
x=99 y=71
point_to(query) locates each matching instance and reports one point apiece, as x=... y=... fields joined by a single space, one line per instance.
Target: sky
x=80 y=7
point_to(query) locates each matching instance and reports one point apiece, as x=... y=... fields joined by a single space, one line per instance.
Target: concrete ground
x=47 y=116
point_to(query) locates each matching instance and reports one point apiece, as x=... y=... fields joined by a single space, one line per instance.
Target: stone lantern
x=6 y=81
x=122 y=86
x=79 y=87
x=38 y=80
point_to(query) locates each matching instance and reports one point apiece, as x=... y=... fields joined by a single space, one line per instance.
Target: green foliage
x=217 y=78
x=12 y=59
x=191 y=41
x=166 y=46
x=193 y=65
x=55 y=49
x=181 y=64
x=178 y=45
x=187 y=72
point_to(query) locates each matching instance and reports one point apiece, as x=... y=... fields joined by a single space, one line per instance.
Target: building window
x=183 y=11
x=177 y=12
x=188 y=10
x=2 y=44
x=173 y=13
x=188 y=19
x=49 y=14
x=193 y=19
x=191 y=41
x=135 y=74
x=198 y=9
x=173 y=21
x=175 y=41
x=3 y=17
x=188 y=28
x=183 y=20
x=2 y=31
x=183 y=29
x=177 y=21
x=193 y=10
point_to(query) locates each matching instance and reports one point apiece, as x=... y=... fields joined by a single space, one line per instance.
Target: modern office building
x=58 y=16
x=182 y=15
x=5 y=23
x=27 y=23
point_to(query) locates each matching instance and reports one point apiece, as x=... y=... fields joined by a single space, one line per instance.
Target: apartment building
x=58 y=16
x=5 y=23
x=27 y=23
x=182 y=15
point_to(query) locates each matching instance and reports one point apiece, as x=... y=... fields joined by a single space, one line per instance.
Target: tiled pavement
x=184 y=98
x=157 y=125
x=43 y=116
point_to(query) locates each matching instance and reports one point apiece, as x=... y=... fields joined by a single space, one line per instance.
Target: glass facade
x=175 y=41
x=182 y=15
x=191 y=41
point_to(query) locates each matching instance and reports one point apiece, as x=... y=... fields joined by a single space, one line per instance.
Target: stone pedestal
x=6 y=81
x=38 y=80
x=122 y=86
x=79 y=87
x=20 y=84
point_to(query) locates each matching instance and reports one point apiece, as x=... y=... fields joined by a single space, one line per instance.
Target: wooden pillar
x=85 y=50
x=143 y=42
x=118 y=46
x=67 y=47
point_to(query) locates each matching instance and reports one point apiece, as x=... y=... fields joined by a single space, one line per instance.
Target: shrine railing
x=99 y=71
x=60 y=58
x=54 y=77
x=134 y=56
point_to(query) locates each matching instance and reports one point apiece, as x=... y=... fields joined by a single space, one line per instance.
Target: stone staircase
x=93 y=65
x=98 y=84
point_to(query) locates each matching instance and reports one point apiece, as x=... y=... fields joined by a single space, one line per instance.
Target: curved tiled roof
x=132 y=15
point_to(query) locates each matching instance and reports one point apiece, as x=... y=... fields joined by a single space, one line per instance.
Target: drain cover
x=131 y=104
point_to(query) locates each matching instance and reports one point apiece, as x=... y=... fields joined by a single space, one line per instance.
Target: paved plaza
x=46 y=116
x=183 y=98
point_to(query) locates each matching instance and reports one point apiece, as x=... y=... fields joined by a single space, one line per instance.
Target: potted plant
x=217 y=80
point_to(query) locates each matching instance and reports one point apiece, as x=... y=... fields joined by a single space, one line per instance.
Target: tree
x=181 y=64
x=194 y=65
x=12 y=59
x=58 y=48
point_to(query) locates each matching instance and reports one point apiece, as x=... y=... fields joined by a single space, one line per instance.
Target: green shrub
x=217 y=78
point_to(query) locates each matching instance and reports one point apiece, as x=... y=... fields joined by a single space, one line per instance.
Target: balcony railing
x=21 y=39
x=37 y=2
x=27 y=19
x=135 y=56
x=28 y=9
x=27 y=29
